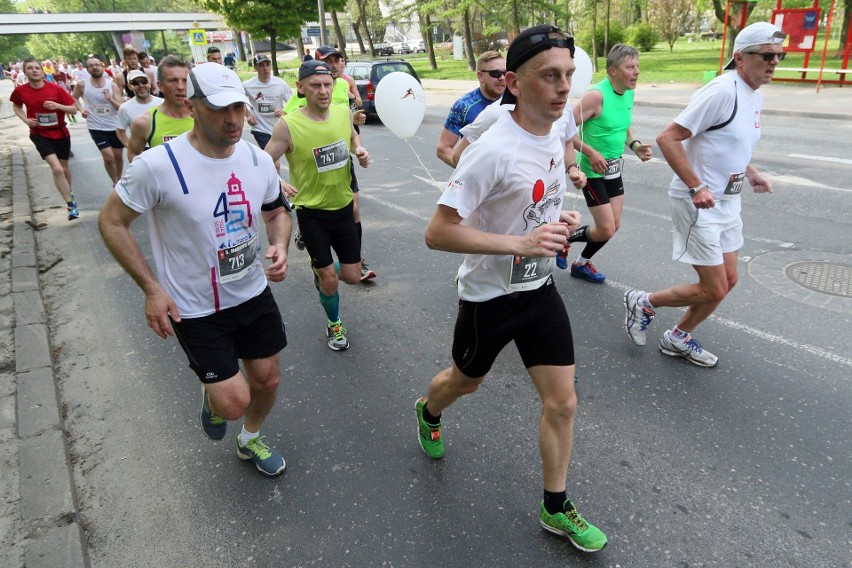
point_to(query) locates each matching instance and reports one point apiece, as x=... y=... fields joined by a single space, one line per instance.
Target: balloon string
x=421 y=162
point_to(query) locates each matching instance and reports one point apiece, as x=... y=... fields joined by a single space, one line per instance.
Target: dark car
x=367 y=75
x=383 y=49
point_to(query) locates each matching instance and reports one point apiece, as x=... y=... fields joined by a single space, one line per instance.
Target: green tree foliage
x=265 y=18
x=616 y=35
x=670 y=18
x=642 y=36
x=12 y=47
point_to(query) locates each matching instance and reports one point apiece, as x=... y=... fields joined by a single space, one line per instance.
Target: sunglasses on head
x=768 y=57
x=554 y=38
x=495 y=73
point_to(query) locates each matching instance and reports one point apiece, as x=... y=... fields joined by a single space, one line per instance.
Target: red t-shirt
x=51 y=123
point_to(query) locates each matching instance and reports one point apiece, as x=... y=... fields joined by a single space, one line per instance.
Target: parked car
x=397 y=46
x=383 y=49
x=417 y=45
x=367 y=75
x=404 y=48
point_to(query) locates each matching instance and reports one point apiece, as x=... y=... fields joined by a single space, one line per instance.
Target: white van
x=416 y=45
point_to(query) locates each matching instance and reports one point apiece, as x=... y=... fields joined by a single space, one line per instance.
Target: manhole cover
x=826 y=277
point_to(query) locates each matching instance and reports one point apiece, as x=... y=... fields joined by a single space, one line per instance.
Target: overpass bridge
x=13 y=24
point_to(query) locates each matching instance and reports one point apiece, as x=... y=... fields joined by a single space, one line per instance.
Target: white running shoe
x=637 y=319
x=688 y=348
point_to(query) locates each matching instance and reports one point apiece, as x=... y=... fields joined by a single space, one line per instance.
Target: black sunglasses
x=496 y=73
x=138 y=82
x=768 y=57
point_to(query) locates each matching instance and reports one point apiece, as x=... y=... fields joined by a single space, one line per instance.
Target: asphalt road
x=746 y=464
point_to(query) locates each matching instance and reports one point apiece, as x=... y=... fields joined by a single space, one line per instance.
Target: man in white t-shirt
x=140 y=84
x=503 y=209
x=267 y=95
x=206 y=192
x=709 y=146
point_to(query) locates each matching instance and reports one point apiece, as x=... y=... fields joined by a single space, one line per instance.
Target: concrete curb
x=48 y=499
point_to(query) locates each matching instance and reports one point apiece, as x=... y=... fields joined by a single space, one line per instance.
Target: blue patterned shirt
x=465 y=110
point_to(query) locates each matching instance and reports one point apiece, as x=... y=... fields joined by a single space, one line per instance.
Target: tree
x=670 y=18
x=266 y=18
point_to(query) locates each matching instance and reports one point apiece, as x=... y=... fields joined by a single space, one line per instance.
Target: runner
x=129 y=110
x=64 y=79
x=345 y=93
x=503 y=210
x=604 y=114
x=490 y=70
x=131 y=63
x=317 y=140
x=101 y=98
x=150 y=71
x=171 y=118
x=214 y=55
x=206 y=192
x=709 y=146
x=42 y=106
x=268 y=95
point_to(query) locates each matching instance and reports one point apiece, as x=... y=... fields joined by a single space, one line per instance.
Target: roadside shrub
x=616 y=35
x=642 y=36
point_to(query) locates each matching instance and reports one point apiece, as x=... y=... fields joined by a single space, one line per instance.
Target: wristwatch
x=696 y=189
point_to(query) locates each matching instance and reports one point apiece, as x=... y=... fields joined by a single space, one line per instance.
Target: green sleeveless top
x=607 y=133
x=319 y=162
x=339 y=96
x=163 y=128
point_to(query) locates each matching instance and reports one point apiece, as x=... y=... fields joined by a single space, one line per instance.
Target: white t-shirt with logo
x=131 y=109
x=265 y=99
x=508 y=182
x=205 y=223
x=489 y=115
x=720 y=157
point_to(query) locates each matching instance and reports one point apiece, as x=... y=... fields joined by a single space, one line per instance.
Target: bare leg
x=555 y=387
x=263 y=379
x=59 y=169
x=448 y=386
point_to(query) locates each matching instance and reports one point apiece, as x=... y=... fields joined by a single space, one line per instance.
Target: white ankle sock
x=246 y=436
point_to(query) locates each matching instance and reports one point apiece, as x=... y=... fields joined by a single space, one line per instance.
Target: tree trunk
x=606 y=31
x=637 y=10
x=516 y=21
x=468 y=41
x=341 y=40
x=356 y=29
x=426 y=34
x=844 y=30
x=368 y=34
x=273 y=40
x=594 y=35
x=300 y=45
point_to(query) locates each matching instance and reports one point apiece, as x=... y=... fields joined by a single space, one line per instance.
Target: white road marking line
x=822 y=158
x=770 y=337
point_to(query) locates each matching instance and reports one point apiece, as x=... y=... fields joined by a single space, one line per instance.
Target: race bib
x=266 y=108
x=233 y=262
x=735 y=184
x=331 y=157
x=613 y=168
x=528 y=273
x=47 y=119
x=101 y=109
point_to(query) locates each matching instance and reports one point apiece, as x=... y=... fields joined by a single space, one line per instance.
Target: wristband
x=569 y=166
x=632 y=143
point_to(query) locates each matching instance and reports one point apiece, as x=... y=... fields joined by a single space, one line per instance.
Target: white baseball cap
x=759 y=33
x=216 y=86
x=136 y=74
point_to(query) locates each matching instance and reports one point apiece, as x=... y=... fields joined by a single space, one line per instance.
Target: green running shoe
x=582 y=534
x=268 y=461
x=431 y=440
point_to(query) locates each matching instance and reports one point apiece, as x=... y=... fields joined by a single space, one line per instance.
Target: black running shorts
x=599 y=191
x=105 y=139
x=536 y=321
x=47 y=146
x=325 y=230
x=215 y=343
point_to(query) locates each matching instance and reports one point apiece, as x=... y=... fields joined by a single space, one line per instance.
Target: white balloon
x=400 y=103
x=583 y=75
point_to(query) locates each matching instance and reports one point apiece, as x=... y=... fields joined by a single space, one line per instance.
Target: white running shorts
x=701 y=236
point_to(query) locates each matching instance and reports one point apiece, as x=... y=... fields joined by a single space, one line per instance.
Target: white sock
x=645 y=301
x=246 y=436
x=581 y=260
